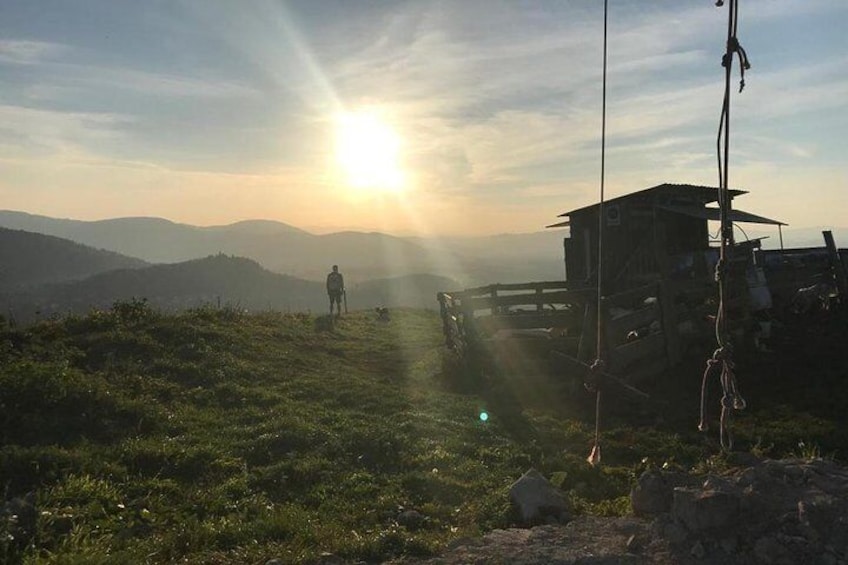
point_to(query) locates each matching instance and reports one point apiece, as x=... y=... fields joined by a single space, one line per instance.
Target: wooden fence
x=549 y=316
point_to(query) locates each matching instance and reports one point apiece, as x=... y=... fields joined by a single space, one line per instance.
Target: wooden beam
x=617 y=328
x=603 y=379
x=551 y=319
x=544 y=285
x=527 y=299
x=648 y=347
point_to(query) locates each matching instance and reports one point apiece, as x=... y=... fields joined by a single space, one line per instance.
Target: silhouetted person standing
x=335 y=289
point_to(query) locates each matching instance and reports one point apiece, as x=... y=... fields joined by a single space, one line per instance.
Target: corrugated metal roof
x=706 y=213
x=704 y=194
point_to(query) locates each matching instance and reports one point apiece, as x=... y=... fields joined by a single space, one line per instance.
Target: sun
x=368 y=151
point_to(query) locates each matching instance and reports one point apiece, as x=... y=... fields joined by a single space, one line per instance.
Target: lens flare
x=484 y=416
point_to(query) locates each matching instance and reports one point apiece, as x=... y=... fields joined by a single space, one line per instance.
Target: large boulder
x=537 y=500
x=709 y=510
x=652 y=494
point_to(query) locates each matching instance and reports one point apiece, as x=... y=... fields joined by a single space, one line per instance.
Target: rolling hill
x=28 y=259
x=217 y=280
x=284 y=249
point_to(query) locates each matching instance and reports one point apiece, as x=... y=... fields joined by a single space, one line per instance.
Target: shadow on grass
x=505 y=392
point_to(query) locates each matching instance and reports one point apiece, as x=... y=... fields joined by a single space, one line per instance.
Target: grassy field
x=216 y=436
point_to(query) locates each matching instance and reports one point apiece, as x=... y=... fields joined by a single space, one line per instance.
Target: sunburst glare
x=368 y=151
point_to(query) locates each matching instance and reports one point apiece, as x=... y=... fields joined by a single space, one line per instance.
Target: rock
x=819 y=512
x=634 y=544
x=769 y=550
x=464 y=541
x=705 y=510
x=274 y=561
x=698 y=551
x=411 y=519
x=536 y=498
x=829 y=559
x=729 y=544
x=777 y=512
x=651 y=495
x=674 y=533
x=743 y=459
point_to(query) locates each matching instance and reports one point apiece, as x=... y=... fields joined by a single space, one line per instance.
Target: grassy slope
x=218 y=437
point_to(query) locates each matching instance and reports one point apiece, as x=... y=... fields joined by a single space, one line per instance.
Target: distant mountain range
x=49 y=265
x=288 y=250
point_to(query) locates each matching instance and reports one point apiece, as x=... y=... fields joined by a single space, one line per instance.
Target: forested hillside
x=28 y=259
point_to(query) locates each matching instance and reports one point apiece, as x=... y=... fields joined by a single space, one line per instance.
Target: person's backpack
x=334 y=282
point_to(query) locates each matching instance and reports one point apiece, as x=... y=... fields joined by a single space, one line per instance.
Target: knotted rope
x=730 y=400
x=723 y=355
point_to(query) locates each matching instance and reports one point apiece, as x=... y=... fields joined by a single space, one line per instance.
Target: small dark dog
x=382 y=313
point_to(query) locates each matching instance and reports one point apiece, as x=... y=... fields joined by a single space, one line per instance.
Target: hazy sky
x=462 y=116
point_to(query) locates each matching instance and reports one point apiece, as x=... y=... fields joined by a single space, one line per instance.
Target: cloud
x=522 y=104
x=156 y=84
x=770 y=10
x=797 y=89
x=498 y=102
x=30 y=133
x=26 y=52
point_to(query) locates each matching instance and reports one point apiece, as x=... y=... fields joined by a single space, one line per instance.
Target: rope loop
x=735 y=48
x=730 y=400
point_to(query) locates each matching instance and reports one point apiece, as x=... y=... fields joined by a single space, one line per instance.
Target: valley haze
x=55 y=266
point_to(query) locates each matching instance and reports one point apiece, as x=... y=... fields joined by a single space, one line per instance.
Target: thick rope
x=723 y=356
x=595 y=455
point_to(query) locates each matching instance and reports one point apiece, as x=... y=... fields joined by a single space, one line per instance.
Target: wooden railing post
x=668 y=318
x=443 y=312
x=836 y=263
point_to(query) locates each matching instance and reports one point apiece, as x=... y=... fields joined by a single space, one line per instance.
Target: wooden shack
x=646 y=234
x=658 y=287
